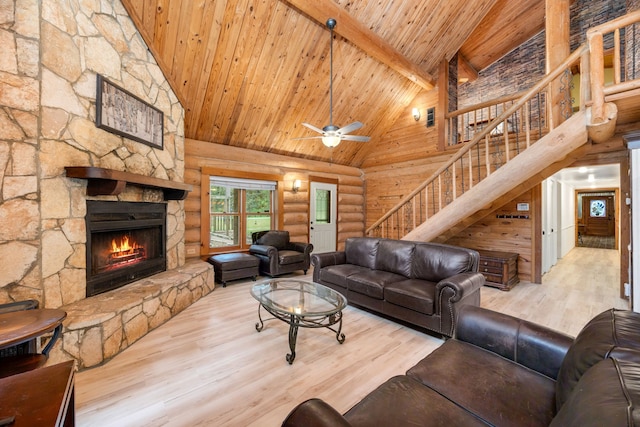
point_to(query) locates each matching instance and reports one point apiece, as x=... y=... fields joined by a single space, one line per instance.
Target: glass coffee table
x=300 y=304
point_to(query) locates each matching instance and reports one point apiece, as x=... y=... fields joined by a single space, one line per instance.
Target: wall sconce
x=416 y=114
x=296 y=185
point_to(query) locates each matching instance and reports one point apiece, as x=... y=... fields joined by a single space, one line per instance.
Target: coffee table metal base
x=296 y=321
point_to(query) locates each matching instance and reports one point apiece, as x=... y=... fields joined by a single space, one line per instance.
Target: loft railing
x=494 y=133
x=619 y=38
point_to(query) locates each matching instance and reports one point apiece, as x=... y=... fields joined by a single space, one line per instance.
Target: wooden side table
x=20 y=326
x=500 y=269
x=41 y=397
x=17 y=327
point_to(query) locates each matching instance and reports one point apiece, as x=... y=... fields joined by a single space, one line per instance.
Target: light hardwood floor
x=208 y=366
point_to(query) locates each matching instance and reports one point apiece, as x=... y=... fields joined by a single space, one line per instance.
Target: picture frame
x=120 y=112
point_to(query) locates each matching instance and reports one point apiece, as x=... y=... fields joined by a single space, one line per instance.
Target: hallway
x=582 y=284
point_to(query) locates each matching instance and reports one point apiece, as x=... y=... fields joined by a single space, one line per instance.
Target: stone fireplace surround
x=99 y=327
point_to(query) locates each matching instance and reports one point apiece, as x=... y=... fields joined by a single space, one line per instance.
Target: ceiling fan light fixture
x=331 y=140
x=332 y=134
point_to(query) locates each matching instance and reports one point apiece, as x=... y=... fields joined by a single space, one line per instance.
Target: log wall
x=293 y=209
x=503 y=231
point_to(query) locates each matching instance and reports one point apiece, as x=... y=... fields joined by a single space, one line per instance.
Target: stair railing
x=496 y=138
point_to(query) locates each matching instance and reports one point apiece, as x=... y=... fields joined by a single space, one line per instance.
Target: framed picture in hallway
x=598 y=208
x=121 y=112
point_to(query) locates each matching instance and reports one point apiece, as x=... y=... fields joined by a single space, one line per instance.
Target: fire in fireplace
x=126 y=241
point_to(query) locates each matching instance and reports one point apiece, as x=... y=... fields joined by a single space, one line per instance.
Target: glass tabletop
x=291 y=296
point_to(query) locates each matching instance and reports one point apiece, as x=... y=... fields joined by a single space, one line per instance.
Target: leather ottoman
x=234 y=266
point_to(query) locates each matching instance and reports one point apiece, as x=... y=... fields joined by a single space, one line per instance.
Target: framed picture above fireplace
x=121 y=112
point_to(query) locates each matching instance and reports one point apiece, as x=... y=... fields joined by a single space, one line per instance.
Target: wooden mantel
x=109 y=182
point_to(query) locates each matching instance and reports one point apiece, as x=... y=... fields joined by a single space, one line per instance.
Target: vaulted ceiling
x=248 y=73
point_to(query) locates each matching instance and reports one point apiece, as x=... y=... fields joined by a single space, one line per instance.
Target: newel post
x=596 y=53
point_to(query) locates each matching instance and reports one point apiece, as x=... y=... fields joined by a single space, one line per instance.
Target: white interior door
x=323 y=218
x=634 y=263
x=550 y=210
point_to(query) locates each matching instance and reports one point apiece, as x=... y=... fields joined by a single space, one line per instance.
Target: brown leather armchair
x=278 y=255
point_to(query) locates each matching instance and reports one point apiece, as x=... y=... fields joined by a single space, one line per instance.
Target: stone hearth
x=99 y=327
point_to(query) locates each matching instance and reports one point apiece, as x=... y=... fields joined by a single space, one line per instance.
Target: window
x=598 y=208
x=233 y=209
x=323 y=207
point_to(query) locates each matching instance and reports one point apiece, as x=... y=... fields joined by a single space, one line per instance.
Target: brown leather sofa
x=424 y=284
x=278 y=255
x=504 y=371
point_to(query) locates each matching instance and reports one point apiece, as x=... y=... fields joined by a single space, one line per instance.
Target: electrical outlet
x=627 y=290
x=191 y=251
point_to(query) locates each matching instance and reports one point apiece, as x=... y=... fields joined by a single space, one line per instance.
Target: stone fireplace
x=47 y=109
x=126 y=241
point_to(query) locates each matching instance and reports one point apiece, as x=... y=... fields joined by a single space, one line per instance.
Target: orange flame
x=124 y=246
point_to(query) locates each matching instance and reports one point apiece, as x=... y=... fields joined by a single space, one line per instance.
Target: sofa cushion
x=362 y=251
x=414 y=294
x=612 y=333
x=277 y=239
x=401 y=401
x=286 y=257
x=434 y=262
x=371 y=282
x=495 y=389
x=337 y=274
x=395 y=256
x=608 y=394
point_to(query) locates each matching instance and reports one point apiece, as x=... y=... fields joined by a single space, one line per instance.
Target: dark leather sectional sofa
x=424 y=284
x=504 y=371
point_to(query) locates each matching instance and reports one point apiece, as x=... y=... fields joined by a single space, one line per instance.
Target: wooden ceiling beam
x=466 y=72
x=365 y=39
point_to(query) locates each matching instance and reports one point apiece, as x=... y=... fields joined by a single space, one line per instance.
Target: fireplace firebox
x=126 y=241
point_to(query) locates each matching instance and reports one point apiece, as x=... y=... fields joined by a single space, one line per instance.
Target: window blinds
x=245 y=184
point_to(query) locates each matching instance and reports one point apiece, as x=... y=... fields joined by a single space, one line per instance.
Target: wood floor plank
x=209 y=366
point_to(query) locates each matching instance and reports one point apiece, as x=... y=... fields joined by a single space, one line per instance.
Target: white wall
x=567 y=219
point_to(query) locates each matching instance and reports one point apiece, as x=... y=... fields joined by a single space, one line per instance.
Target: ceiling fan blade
x=355 y=138
x=349 y=128
x=309 y=137
x=312 y=127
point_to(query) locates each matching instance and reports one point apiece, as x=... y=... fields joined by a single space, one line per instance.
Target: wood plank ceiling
x=250 y=72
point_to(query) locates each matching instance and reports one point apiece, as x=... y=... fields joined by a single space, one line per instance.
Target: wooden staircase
x=512 y=145
x=547 y=156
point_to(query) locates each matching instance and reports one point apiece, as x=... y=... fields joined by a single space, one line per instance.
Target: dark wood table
x=41 y=397
x=17 y=327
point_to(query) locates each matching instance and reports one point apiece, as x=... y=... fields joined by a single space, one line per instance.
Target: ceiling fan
x=331 y=135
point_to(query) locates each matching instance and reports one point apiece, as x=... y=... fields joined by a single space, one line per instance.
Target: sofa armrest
x=315 y=413
x=263 y=250
x=324 y=259
x=462 y=284
x=534 y=346
x=328 y=258
x=300 y=247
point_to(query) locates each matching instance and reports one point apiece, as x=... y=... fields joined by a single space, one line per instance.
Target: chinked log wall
x=295 y=206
